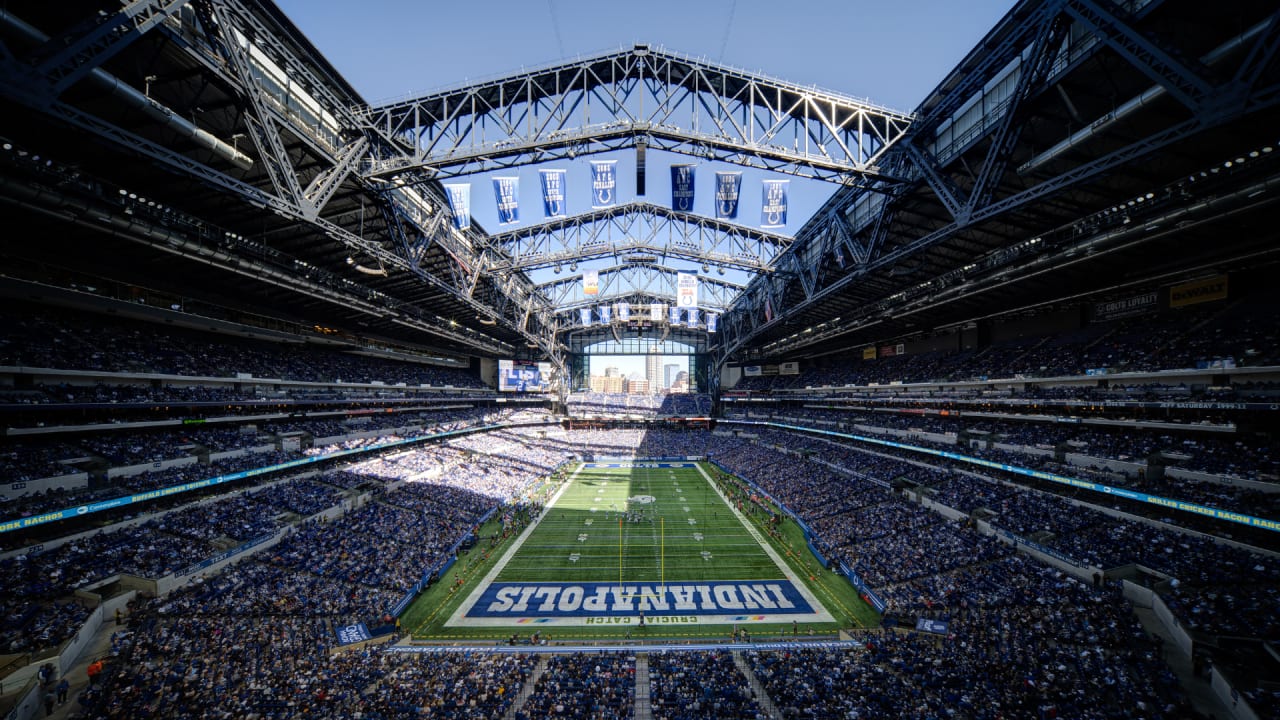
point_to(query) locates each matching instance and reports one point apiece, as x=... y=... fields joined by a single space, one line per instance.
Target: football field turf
x=622 y=542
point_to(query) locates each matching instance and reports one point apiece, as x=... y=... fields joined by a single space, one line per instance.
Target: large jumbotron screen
x=524 y=376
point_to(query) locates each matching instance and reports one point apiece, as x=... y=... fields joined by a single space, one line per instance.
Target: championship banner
x=603 y=310
x=682 y=187
x=624 y=311
x=553 y=193
x=1198 y=291
x=590 y=282
x=603 y=184
x=656 y=311
x=773 y=204
x=869 y=353
x=585 y=315
x=687 y=290
x=711 y=322
x=506 y=191
x=460 y=204
x=673 y=313
x=693 y=318
x=727 y=186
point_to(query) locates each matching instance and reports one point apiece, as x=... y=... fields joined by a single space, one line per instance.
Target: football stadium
x=930 y=368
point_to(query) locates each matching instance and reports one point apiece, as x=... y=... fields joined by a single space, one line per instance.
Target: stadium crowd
x=1004 y=610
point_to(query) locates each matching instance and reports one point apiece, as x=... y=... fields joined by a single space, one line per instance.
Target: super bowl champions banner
x=773 y=204
x=506 y=191
x=591 y=282
x=687 y=290
x=682 y=188
x=553 y=194
x=728 y=185
x=603 y=183
x=460 y=204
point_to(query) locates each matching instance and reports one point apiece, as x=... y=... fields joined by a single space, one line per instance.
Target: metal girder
x=744 y=315
x=951 y=196
x=325 y=184
x=63 y=60
x=604 y=102
x=985 y=62
x=1032 y=74
x=1260 y=55
x=255 y=196
x=260 y=121
x=649 y=279
x=1184 y=78
x=643 y=229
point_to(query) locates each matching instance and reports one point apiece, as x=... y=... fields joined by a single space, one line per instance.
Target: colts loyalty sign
x=603 y=184
x=553 y=193
x=506 y=190
x=727 y=186
x=773 y=204
x=682 y=188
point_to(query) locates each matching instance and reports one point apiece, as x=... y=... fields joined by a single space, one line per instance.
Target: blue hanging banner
x=603 y=311
x=711 y=322
x=728 y=184
x=604 y=183
x=682 y=187
x=553 y=193
x=693 y=317
x=773 y=204
x=673 y=315
x=624 y=311
x=585 y=315
x=506 y=191
x=460 y=204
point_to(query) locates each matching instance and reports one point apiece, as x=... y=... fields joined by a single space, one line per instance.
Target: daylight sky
x=890 y=53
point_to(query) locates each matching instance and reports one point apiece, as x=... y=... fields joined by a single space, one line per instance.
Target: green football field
x=642 y=525
x=623 y=542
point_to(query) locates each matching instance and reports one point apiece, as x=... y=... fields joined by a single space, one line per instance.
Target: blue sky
x=890 y=53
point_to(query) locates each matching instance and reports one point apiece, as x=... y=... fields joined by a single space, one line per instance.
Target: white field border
x=459 y=617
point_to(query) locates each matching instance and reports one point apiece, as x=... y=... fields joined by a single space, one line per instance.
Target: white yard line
x=490 y=576
x=800 y=586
